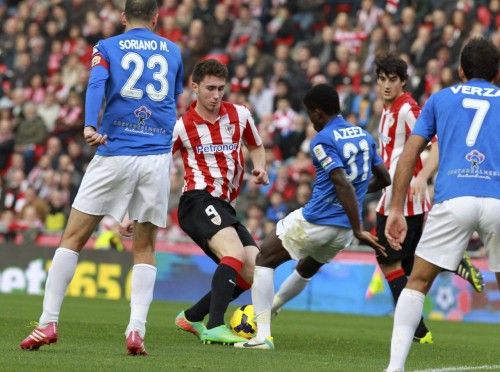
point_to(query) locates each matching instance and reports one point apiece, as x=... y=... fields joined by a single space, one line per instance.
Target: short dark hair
x=324 y=98
x=141 y=10
x=479 y=59
x=390 y=64
x=209 y=67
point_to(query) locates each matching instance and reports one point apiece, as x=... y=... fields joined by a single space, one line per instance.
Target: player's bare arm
x=396 y=228
x=381 y=178
x=93 y=138
x=258 y=156
x=419 y=185
x=347 y=197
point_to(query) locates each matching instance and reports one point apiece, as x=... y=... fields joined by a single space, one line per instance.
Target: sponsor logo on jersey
x=319 y=152
x=213 y=148
x=475 y=158
x=142 y=113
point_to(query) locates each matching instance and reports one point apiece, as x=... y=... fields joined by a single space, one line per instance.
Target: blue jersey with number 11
x=339 y=145
x=140 y=75
x=466 y=119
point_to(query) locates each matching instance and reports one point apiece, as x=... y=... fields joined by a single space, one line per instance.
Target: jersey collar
x=197 y=119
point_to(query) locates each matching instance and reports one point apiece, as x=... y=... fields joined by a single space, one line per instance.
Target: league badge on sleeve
x=319 y=152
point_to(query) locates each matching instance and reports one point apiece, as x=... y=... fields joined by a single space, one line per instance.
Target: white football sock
x=290 y=288
x=406 y=319
x=262 y=298
x=143 y=282
x=60 y=274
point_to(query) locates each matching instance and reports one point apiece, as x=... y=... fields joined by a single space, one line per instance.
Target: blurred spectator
x=30 y=132
x=246 y=31
x=261 y=97
x=219 y=29
x=49 y=111
x=58 y=212
x=108 y=236
x=7 y=141
x=277 y=208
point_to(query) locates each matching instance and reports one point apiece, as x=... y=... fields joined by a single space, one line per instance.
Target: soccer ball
x=242 y=322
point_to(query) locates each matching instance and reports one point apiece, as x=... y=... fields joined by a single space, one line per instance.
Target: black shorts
x=407 y=252
x=202 y=215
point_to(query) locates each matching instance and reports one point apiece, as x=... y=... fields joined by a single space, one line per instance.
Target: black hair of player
x=390 y=64
x=209 y=67
x=479 y=59
x=324 y=98
x=140 y=10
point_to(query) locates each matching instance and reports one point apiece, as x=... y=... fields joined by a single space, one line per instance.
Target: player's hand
x=260 y=176
x=93 y=138
x=367 y=238
x=418 y=189
x=395 y=229
x=126 y=228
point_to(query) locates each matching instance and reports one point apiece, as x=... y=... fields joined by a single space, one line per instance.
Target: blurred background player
x=344 y=157
x=140 y=75
x=209 y=137
x=465 y=119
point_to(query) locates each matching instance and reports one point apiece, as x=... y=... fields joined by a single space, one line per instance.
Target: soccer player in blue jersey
x=139 y=75
x=465 y=118
x=344 y=157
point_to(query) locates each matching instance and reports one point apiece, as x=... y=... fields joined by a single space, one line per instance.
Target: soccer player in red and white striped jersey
x=396 y=123
x=213 y=152
x=209 y=137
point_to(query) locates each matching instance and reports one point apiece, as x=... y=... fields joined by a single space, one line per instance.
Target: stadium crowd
x=275 y=51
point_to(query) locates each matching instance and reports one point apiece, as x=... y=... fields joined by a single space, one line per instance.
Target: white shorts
x=301 y=238
x=450 y=225
x=139 y=185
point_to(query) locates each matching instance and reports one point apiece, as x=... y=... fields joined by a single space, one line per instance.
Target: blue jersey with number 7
x=466 y=119
x=339 y=145
x=139 y=75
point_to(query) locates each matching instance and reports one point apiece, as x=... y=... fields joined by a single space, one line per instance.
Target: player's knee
x=308 y=267
x=262 y=259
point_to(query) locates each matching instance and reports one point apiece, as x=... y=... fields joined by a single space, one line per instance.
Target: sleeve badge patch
x=319 y=152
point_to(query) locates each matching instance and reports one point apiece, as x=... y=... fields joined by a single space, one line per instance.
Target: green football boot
x=469 y=272
x=220 y=335
x=427 y=339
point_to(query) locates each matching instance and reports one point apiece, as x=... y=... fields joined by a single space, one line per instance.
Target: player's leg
x=142 y=285
x=148 y=209
x=78 y=230
x=227 y=247
x=444 y=240
x=408 y=312
x=398 y=264
x=271 y=255
x=295 y=283
x=191 y=320
x=489 y=232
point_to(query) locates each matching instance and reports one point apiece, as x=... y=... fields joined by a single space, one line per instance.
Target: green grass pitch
x=91 y=339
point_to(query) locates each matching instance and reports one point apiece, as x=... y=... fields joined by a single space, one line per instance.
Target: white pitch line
x=464 y=368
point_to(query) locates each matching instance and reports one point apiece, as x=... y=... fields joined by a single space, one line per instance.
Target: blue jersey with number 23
x=140 y=75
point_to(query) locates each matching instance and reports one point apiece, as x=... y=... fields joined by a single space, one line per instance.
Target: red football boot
x=40 y=336
x=135 y=344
